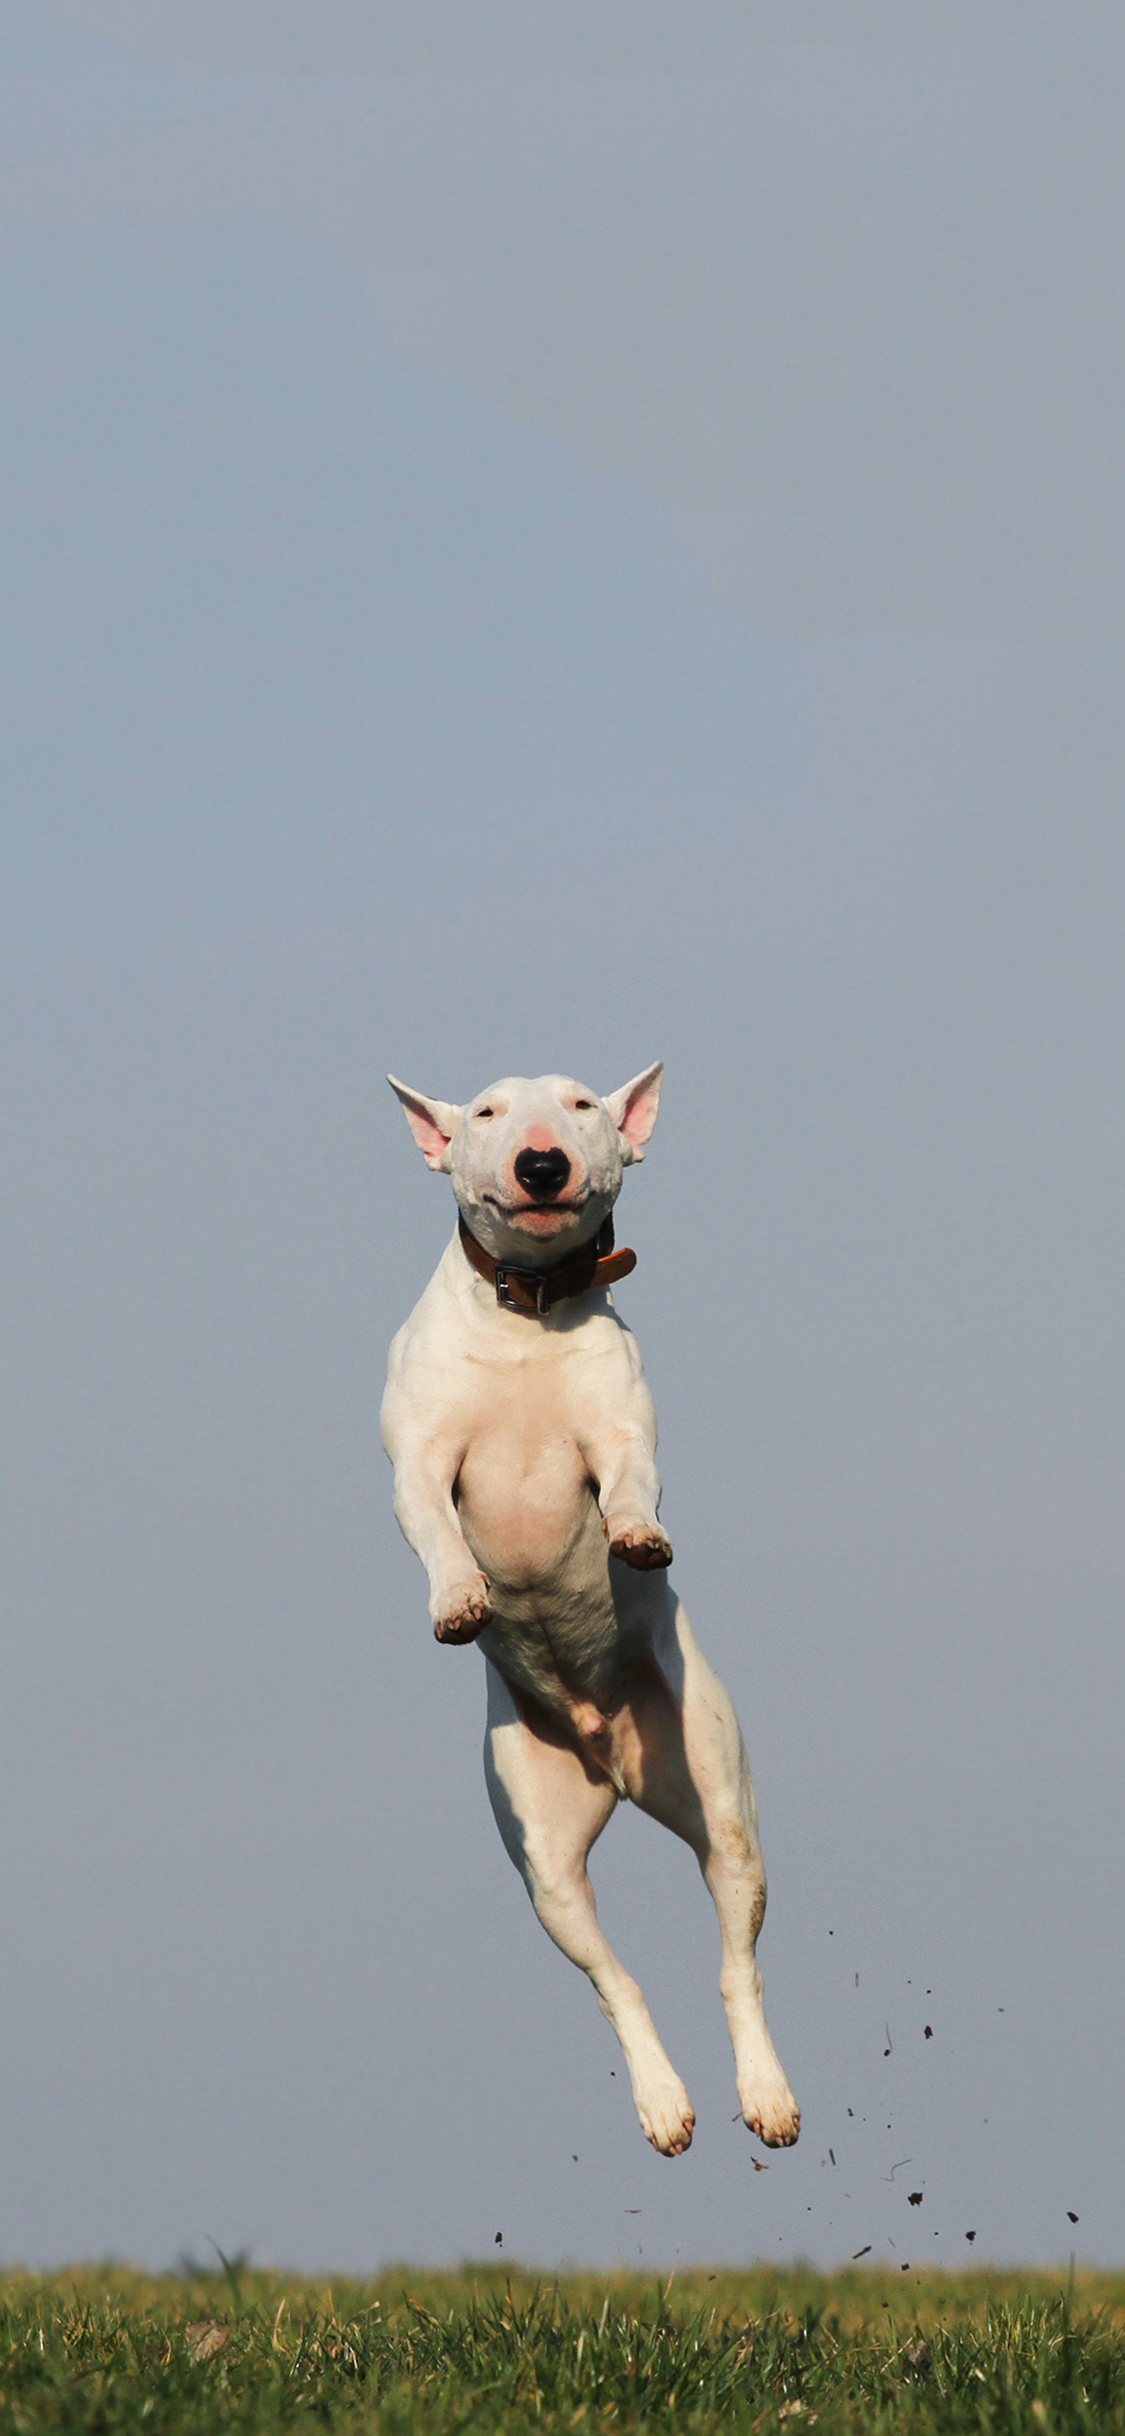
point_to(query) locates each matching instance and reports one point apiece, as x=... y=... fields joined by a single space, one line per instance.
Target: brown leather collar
x=538 y=1290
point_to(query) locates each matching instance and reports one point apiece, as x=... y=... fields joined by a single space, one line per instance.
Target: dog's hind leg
x=683 y=1758
x=550 y=1807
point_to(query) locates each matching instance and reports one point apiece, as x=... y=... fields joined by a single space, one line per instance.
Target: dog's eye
x=583 y=1104
x=486 y=1112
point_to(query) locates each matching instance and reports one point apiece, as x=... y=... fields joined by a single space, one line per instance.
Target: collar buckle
x=532 y=1280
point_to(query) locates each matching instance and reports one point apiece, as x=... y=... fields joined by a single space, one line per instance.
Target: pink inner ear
x=426 y=1131
x=640 y=1115
x=433 y=1123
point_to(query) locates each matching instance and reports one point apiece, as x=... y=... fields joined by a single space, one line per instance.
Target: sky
x=534 y=540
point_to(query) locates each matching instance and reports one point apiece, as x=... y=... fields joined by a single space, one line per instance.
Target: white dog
x=523 y=1440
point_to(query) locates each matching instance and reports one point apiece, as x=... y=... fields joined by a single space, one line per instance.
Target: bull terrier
x=523 y=1439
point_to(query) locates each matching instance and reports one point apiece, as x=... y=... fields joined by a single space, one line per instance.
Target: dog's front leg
x=459 y=1593
x=623 y=1463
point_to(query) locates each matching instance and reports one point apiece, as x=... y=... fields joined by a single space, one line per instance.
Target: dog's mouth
x=536 y=1213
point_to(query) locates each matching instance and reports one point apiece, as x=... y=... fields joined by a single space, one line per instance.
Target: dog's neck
x=536 y=1291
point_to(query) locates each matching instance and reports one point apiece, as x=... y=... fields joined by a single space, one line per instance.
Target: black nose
x=542 y=1173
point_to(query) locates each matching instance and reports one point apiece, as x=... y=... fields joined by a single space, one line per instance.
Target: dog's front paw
x=464 y=1610
x=641 y=1544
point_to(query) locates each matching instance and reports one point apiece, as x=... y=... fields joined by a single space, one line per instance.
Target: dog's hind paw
x=643 y=1545
x=464 y=1611
x=667 y=2115
x=770 y=2109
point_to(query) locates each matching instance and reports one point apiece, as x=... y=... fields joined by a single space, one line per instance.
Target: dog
x=523 y=1439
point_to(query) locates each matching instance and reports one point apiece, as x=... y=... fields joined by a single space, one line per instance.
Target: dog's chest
x=525 y=1499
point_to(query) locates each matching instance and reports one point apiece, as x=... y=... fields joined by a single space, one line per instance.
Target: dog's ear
x=433 y=1124
x=633 y=1110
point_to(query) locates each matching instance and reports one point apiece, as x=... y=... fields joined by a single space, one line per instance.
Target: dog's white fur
x=525 y=1479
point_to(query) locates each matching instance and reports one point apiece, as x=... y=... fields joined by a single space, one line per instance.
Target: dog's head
x=536 y=1166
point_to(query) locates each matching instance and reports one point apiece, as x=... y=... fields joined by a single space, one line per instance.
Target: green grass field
x=105 y=2349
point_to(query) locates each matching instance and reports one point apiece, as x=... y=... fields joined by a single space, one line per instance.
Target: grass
x=109 y=2350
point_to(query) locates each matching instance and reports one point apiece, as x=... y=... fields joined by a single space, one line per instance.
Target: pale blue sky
x=522 y=557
